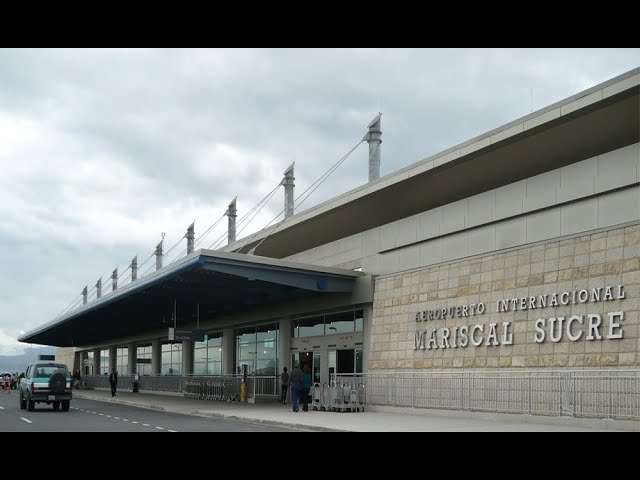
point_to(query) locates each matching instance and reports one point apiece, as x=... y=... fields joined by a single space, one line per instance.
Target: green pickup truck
x=46 y=382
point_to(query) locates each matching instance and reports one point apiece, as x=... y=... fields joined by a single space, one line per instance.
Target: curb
x=224 y=416
x=275 y=423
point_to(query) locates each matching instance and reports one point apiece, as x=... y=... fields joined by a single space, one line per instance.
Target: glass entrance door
x=310 y=359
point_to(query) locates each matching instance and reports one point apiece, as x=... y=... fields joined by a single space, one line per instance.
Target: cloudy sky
x=102 y=150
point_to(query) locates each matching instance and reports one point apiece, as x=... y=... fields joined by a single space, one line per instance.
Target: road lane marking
x=25 y=420
x=159 y=428
x=116 y=418
x=174 y=431
x=146 y=425
x=125 y=420
x=134 y=422
x=1 y=408
x=108 y=416
x=101 y=414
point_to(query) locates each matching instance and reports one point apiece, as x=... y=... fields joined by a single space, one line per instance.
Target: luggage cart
x=316 y=396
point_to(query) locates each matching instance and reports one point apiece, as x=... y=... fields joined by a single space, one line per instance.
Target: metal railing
x=612 y=394
x=160 y=383
x=210 y=387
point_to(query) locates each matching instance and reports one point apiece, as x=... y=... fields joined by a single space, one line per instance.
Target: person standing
x=295 y=381
x=113 y=380
x=284 y=382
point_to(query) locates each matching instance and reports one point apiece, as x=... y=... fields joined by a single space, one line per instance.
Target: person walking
x=284 y=382
x=295 y=381
x=113 y=380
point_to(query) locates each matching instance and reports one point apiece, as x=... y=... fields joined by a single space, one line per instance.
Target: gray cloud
x=102 y=150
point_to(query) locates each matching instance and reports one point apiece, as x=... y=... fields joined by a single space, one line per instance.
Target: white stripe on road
x=25 y=420
x=159 y=428
x=108 y=416
x=146 y=425
x=125 y=420
x=174 y=431
x=101 y=414
x=134 y=422
x=116 y=418
x=1 y=408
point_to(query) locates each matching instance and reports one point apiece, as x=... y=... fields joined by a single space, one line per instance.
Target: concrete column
x=284 y=345
x=113 y=359
x=190 y=236
x=232 y=213
x=96 y=361
x=83 y=357
x=373 y=138
x=367 y=313
x=187 y=357
x=114 y=280
x=228 y=340
x=85 y=294
x=133 y=356
x=289 y=185
x=77 y=362
x=99 y=288
x=156 y=356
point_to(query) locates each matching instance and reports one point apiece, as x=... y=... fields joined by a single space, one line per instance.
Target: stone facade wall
x=591 y=261
x=66 y=355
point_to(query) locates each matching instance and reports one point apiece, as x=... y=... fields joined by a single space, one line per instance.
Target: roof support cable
x=312 y=188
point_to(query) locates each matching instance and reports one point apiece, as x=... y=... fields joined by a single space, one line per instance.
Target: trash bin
x=135 y=383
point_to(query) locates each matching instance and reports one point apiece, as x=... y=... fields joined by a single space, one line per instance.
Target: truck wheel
x=65 y=405
x=56 y=406
x=23 y=402
x=31 y=405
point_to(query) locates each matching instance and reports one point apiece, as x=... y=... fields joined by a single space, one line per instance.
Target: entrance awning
x=208 y=282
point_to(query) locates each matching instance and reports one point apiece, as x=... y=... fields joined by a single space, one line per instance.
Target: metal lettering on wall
x=590 y=327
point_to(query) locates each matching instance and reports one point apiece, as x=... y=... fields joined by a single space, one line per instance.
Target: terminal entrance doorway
x=324 y=364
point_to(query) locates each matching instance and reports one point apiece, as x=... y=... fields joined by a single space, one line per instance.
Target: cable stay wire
x=208 y=230
x=148 y=258
x=255 y=210
x=71 y=306
x=297 y=202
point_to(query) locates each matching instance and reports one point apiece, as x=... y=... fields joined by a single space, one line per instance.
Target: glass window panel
x=215 y=368
x=166 y=358
x=359 y=320
x=267 y=333
x=294 y=328
x=246 y=336
x=359 y=360
x=340 y=323
x=311 y=327
x=200 y=355
x=266 y=367
x=346 y=361
x=266 y=350
x=200 y=369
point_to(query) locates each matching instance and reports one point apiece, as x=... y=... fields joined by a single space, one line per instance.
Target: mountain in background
x=19 y=363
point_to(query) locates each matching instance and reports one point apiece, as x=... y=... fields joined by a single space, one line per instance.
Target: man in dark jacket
x=113 y=380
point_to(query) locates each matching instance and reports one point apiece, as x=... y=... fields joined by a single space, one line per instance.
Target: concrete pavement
x=374 y=419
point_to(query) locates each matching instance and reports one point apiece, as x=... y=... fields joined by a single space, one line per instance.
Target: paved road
x=92 y=416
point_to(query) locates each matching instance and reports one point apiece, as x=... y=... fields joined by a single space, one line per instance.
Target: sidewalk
x=373 y=419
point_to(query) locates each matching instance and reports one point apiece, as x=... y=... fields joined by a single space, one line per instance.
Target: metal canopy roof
x=221 y=283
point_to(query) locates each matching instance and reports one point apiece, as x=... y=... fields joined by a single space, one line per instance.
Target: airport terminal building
x=516 y=250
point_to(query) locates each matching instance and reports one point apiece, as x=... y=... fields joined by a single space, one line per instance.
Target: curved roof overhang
x=207 y=283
